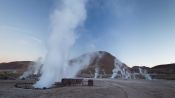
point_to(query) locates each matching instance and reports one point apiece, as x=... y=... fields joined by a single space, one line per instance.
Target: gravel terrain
x=103 y=88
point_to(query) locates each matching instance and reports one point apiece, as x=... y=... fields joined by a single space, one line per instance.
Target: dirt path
x=146 y=89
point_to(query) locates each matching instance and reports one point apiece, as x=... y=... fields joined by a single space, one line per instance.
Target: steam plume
x=64 y=21
x=144 y=73
x=120 y=68
x=33 y=69
x=82 y=62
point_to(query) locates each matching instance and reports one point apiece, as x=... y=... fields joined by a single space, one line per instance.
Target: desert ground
x=103 y=88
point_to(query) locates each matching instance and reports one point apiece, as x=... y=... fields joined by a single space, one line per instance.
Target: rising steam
x=64 y=21
x=77 y=64
x=120 y=69
x=33 y=69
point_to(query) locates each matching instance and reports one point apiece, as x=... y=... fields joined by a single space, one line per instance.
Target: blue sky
x=138 y=32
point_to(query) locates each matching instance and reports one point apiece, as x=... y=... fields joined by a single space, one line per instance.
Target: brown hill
x=103 y=60
x=18 y=66
x=164 y=69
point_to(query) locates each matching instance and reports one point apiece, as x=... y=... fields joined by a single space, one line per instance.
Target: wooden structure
x=71 y=82
x=76 y=82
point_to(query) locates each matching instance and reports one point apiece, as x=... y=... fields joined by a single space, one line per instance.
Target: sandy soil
x=105 y=88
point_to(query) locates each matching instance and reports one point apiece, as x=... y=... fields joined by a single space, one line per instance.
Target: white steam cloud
x=33 y=69
x=64 y=21
x=120 y=69
x=77 y=64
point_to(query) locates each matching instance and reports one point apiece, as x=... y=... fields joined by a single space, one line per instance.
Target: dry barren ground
x=104 y=88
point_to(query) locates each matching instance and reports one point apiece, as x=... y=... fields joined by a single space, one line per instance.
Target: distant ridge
x=18 y=66
x=163 y=71
x=164 y=68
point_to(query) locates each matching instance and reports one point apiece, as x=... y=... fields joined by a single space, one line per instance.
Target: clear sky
x=138 y=32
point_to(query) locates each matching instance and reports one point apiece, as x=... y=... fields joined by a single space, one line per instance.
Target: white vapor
x=119 y=67
x=64 y=21
x=33 y=69
x=77 y=64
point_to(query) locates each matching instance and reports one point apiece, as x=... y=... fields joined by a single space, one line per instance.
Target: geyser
x=120 y=69
x=64 y=22
x=144 y=73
